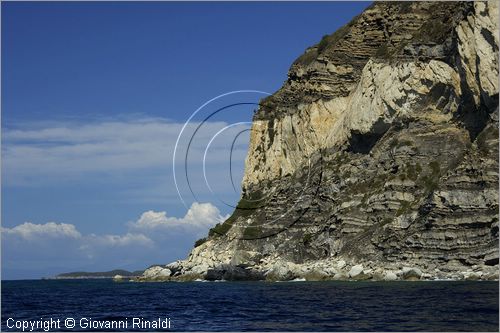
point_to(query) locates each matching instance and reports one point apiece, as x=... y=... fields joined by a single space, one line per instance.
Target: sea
x=90 y=305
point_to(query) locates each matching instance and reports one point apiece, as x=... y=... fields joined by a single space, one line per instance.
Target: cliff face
x=380 y=151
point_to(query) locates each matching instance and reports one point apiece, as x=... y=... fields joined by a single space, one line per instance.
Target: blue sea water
x=259 y=306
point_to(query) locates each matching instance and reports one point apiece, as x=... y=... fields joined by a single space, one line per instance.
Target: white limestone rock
x=156 y=272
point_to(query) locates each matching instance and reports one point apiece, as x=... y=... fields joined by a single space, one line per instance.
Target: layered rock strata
x=377 y=159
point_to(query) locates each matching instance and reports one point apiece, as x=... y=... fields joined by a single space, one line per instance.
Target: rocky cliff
x=377 y=159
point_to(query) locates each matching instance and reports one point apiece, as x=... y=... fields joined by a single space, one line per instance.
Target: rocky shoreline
x=338 y=270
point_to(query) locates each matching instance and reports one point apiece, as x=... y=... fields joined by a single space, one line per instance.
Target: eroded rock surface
x=377 y=159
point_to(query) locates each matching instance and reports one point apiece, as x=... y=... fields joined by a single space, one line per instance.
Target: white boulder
x=390 y=276
x=156 y=272
x=411 y=273
x=356 y=271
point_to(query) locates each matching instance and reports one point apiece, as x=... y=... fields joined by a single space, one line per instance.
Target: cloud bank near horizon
x=52 y=246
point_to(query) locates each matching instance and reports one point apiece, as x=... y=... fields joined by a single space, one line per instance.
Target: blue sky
x=94 y=96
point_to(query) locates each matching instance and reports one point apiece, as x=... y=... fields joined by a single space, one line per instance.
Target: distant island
x=97 y=275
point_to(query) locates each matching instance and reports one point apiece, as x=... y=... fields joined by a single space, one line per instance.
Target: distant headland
x=96 y=275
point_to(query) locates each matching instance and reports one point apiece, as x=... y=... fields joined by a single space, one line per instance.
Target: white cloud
x=198 y=219
x=59 y=247
x=30 y=231
x=46 y=232
x=129 y=239
x=199 y=215
x=47 y=152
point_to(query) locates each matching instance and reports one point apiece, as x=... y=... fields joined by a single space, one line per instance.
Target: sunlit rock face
x=380 y=150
